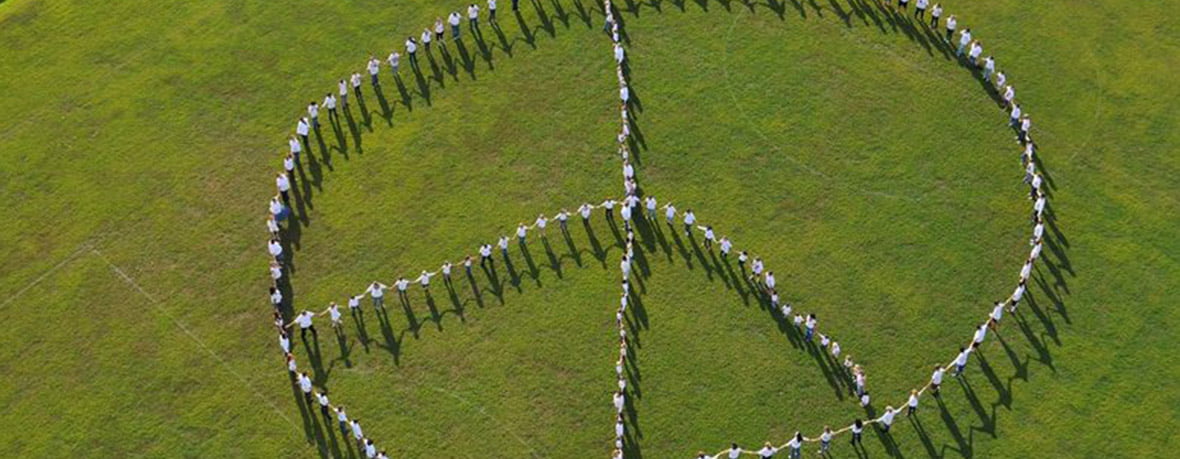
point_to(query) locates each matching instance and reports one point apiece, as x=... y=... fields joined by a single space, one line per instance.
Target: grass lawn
x=841 y=143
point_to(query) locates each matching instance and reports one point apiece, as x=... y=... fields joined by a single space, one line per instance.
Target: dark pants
x=484 y=260
x=950 y=34
x=303 y=332
x=911 y=410
x=305 y=143
x=455 y=32
x=933 y=21
x=920 y=12
x=856 y=438
x=492 y=15
x=373 y=77
x=357 y=90
x=286 y=197
x=515 y=5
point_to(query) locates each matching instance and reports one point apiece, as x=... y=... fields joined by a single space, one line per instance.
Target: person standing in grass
x=935 y=13
x=374 y=72
x=295 y=147
x=920 y=12
x=276 y=250
x=330 y=104
x=322 y=398
x=795 y=446
x=492 y=11
x=690 y=219
x=342 y=89
x=936 y=379
x=485 y=255
x=768 y=451
x=825 y=440
x=563 y=220
x=1009 y=96
x=302 y=127
x=975 y=52
x=503 y=243
x=356 y=83
x=454 y=19
x=304 y=321
x=912 y=403
x=313 y=112
x=402 y=284
x=710 y=236
x=394 y=59
x=376 y=291
x=473 y=17
x=961 y=361
x=540 y=223
x=951 y=23
x=887 y=418
x=358 y=433
x=342 y=419
x=305 y=386
x=354 y=304
x=669 y=213
x=370 y=449
x=1017 y=295
x=997 y=314
x=521 y=233
x=439 y=29
x=334 y=315
x=810 y=324
x=284 y=186
x=425 y=38
x=858 y=428
x=989 y=67
x=584 y=211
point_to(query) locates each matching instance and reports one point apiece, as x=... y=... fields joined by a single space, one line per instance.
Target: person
x=980 y=334
x=1025 y=126
x=1001 y=80
x=563 y=220
x=342 y=420
x=887 y=418
x=322 y=398
x=492 y=11
x=356 y=83
x=412 y=50
x=619 y=428
x=1014 y=116
x=619 y=54
x=295 y=147
x=521 y=232
x=859 y=378
x=289 y=165
x=625 y=212
x=810 y=327
x=376 y=291
x=342 y=89
x=275 y=249
x=624 y=93
x=798 y=320
x=609 y=205
x=835 y=350
x=864 y=399
x=381 y=455
x=920 y=10
x=503 y=246
x=313 y=112
x=276 y=271
x=825 y=440
x=394 y=61
x=304 y=321
x=1036 y=250
x=584 y=210
x=334 y=315
x=425 y=37
x=454 y=19
x=936 y=379
x=903 y=4
x=726 y=247
x=284 y=186
x=742 y=257
x=964 y=41
x=912 y=403
x=370 y=449
x=756 y=268
x=485 y=255
x=770 y=282
x=690 y=219
x=1009 y=95
x=620 y=401
x=467 y=265
x=975 y=52
x=824 y=340
x=354 y=303
x=374 y=71
x=935 y=13
x=473 y=17
x=541 y=223
x=669 y=213
x=330 y=104
x=710 y=236
x=1017 y=295
x=951 y=23
x=650 y=203
x=625 y=266
x=284 y=342
x=445 y=269
x=357 y=432
x=438 y=30
x=989 y=67
x=1038 y=205
x=734 y=451
x=401 y=284
x=768 y=451
x=961 y=361
x=424 y=279
x=795 y=446
x=302 y=129
x=305 y=386
x=858 y=428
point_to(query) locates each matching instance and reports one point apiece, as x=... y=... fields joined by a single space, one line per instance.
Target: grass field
x=843 y=144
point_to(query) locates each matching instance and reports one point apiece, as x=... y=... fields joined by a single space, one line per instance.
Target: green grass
x=871 y=172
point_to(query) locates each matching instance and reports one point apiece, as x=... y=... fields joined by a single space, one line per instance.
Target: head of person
x=858 y=423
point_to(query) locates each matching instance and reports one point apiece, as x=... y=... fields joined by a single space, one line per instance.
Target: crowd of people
x=634 y=206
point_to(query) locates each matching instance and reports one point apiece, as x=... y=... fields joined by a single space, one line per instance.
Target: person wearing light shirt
x=961 y=361
x=1039 y=229
x=628 y=170
x=1038 y=207
x=825 y=441
x=609 y=205
x=302 y=128
x=284 y=342
x=951 y=22
x=1030 y=169
x=305 y=386
x=485 y=254
x=669 y=213
x=710 y=237
x=625 y=266
x=620 y=401
x=424 y=280
x=467 y=265
x=275 y=249
x=835 y=350
x=734 y=451
x=439 y=29
x=624 y=94
x=446 y=271
x=887 y=418
x=726 y=247
x=334 y=314
x=295 y=147
x=964 y=41
x=811 y=322
x=770 y=282
x=473 y=17
x=276 y=271
x=619 y=54
x=563 y=220
x=742 y=257
x=690 y=219
x=272 y=225
x=767 y=451
x=1001 y=80
x=381 y=455
x=912 y=403
x=650 y=203
x=989 y=67
x=1036 y=250
x=374 y=71
x=292 y=368
x=1017 y=295
x=935 y=13
x=376 y=291
x=798 y=320
x=975 y=52
x=492 y=11
x=370 y=449
x=313 y=112
x=342 y=419
x=541 y=223
x=284 y=186
x=864 y=399
x=584 y=210
x=425 y=39
x=289 y=165
x=304 y=321
x=1026 y=270
x=503 y=246
x=619 y=425
x=357 y=433
x=342 y=89
x=920 y=12
x=625 y=212
x=401 y=284
x=756 y=269
x=1009 y=95
x=521 y=232
x=936 y=378
x=322 y=398
x=858 y=428
x=824 y=340
x=454 y=19
x=1025 y=126
x=860 y=379
x=395 y=60
x=354 y=303
x=997 y=313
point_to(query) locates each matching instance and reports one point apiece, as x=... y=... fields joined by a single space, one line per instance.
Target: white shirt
x=936 y=378
x=374 y=67
x=1018 y=293
x=376 y=290
x=922 y=4
x=289 y=164
x=1036 y=251
x=585 y=211
x=285 y=343
x=1038 y=230
x=619 y=53
x=304 y=320
x=354 y=302
x=424 y=279
x=275 y=249
x=473 y=12
x=998 y=312
x=690 y=218
x=323 y=399
x=961 y=359
x=734 y=453
x=989 y=64
x=767 y=451
x=313 y=111
x=1039 y=206
x=454 y=19
x=1009 y=93
x=485 y=250
x=411 y=47
x=446 y=269
x=887 y=418
x=296 y=147
x=1026 y=124
x=394 y=59
x=541 y=222
x=726 y=246
x=624 y=93
x=835 y=349
x=670 y=212
x=619 y=402
x=794 y=443
x=343 y=88
x=370 y=450
x=981 y=333
x=305 y=383
x=1026 y=270
x=521 y=231
x=937 y=11
x=402 y=284
x=301 y=127
x=609 y=204
x=951 y=23
x=491 y=4
x=826 y=436
x=283 y=183
x=330 y=102
x=356 y=430
x=965 y=38
x=503 y=243
x=770 y=282
x=334 y=312
x=976 y=50
x=426 y=36
x=276 y=272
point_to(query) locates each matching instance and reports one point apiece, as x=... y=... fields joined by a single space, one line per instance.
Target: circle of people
x=279 y=210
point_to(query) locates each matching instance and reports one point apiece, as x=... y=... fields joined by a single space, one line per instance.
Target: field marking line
x=194 y=337
x=77 y=253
